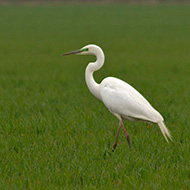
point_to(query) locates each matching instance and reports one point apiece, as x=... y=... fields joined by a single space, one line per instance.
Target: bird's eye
x=86 y=49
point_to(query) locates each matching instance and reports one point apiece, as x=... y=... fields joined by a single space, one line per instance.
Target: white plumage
x=119 y=97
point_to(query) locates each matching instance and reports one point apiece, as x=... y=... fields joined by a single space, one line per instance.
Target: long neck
x=91 y=83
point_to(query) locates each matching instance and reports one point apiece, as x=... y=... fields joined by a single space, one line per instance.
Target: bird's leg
x=115 y=143
x=149 y=125
x=126 y=134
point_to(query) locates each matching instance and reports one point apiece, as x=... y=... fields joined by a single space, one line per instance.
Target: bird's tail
x=164 y=130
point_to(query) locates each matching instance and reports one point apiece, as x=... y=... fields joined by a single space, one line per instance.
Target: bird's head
x=86 y=50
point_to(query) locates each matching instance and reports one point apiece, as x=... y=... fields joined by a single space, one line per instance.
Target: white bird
x=121 y=99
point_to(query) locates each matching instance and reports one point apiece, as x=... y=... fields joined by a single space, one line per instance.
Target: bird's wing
x=121 y=98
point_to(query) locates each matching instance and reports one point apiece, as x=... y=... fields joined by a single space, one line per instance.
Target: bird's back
x=121 y=98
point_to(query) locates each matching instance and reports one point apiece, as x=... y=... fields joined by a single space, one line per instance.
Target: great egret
x=121 y=99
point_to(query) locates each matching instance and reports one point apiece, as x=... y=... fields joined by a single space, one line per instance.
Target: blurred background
x=53 y=133
x=94 y=1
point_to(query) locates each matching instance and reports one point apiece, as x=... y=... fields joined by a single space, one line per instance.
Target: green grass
x=54 y=134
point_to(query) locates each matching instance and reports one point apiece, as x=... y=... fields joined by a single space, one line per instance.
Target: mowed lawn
x=54 y=134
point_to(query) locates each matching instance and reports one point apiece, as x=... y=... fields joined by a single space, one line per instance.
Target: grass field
x=54 y=134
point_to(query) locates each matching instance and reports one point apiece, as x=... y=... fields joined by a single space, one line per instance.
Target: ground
x=54 y=134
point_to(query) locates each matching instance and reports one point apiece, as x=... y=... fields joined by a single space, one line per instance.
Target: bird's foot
x=114 y=146
x=128 y=140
